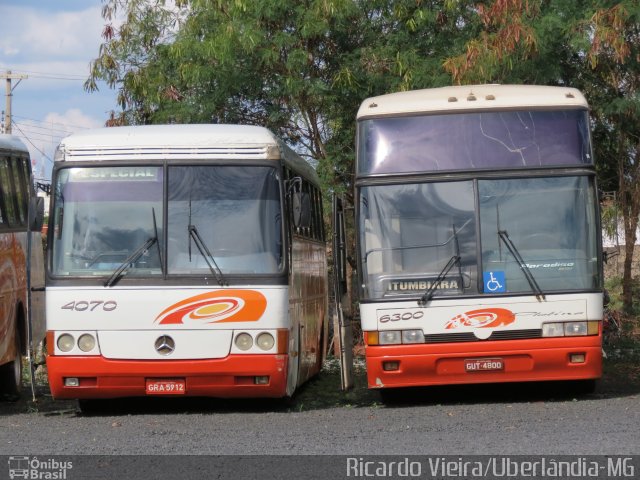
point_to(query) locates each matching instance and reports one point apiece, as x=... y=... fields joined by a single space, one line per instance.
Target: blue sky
x=53 y=42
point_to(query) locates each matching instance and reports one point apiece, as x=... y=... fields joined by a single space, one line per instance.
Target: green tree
x=592 y=45
x=298 y=67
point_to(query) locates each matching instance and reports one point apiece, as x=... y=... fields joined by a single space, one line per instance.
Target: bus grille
x=470 y=337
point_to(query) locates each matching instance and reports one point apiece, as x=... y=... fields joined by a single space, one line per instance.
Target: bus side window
x=300 y=206
x=3 y=220
x=7 y=193
x=21 y=189
x=318 y=203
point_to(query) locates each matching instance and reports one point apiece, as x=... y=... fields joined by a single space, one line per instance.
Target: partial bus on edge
x=479 y=250
x=22 y=326
x=184 y=260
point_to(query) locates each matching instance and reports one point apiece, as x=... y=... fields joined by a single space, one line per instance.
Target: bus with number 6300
x=478 y=237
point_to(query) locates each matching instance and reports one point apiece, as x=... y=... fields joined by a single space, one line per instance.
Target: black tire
x=320 y=355
x=583 y=387
x=392 y=396
x=91 y=406
x=11 y=374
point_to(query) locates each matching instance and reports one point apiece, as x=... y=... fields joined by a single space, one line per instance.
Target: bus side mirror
x=301 y=206
x=36 y=207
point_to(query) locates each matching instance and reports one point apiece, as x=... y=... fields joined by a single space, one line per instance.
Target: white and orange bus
x=479 y=252
x=184 y=260
x=21 y=264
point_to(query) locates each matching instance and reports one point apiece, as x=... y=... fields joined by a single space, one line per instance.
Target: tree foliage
x=592 y=45
x=302 y=67
x=299 y=67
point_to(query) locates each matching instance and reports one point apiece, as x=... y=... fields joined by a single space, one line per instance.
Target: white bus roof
x=188 y=142
x=471 y=97
x=11 y=142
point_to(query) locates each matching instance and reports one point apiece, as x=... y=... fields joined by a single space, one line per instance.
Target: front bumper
x=524 y=361
x=230 y=377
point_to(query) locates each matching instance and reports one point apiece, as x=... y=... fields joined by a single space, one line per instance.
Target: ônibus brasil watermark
x=34 y=468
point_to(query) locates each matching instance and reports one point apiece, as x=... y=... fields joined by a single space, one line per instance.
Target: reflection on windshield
x=552 y=223
x=467 y=141
x=409 y=233
x=104 y=217
x=101 y=216
x=237 y=213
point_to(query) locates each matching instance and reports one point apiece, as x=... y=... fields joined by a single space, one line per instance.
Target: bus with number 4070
x=478 y=244
x=184 y=260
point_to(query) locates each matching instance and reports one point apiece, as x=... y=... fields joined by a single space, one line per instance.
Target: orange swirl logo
x=216 y=307
x=485 y=318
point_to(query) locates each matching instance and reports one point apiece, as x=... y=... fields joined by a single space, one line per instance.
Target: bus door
x=342 y=321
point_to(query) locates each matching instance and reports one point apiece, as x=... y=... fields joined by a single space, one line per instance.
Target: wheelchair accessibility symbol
x=494 y=282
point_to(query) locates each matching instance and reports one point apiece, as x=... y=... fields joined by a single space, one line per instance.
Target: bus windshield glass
x=235 y=210
x=475 y=140
x=103 y=215
x=410 y=232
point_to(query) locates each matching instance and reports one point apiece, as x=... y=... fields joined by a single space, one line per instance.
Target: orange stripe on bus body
x=216 y=307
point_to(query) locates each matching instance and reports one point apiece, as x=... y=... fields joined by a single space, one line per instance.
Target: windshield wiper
x=130 y=260
x=155 y=232
x=206 y=254
x=455 y=259
x=204 y=251
x=133 y=258
x=504 y=236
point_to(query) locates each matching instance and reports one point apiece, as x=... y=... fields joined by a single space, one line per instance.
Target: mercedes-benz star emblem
x=165 y=345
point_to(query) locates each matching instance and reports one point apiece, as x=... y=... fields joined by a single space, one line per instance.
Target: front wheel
x=11 y=373
x=294 y=363
x=583 y=387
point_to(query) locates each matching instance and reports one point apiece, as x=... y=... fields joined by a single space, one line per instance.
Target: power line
x=48 y=129
x=32 y=144
x=54 y=76
x=43 y=137
x=52 y=123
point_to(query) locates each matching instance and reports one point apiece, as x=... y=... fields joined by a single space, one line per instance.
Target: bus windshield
x=234 y=210
x=103 y=215
x=410 y=233
x=474 y=140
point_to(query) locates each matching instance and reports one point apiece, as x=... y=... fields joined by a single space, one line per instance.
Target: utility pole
x=9 y=76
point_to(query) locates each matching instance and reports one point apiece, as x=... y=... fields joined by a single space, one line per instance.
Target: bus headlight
x=553 y=330
x=412 y=336
x=265 y=341
x=574 y=329
x=86 y=342
x=244 y=341
x=569 y=329
x=390 y=337
x=66 y=342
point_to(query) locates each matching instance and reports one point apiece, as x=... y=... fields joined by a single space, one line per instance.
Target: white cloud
x=10 y=51
x=72 y=120
x=41 y=34
x=42 y=137
x=54 y=48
